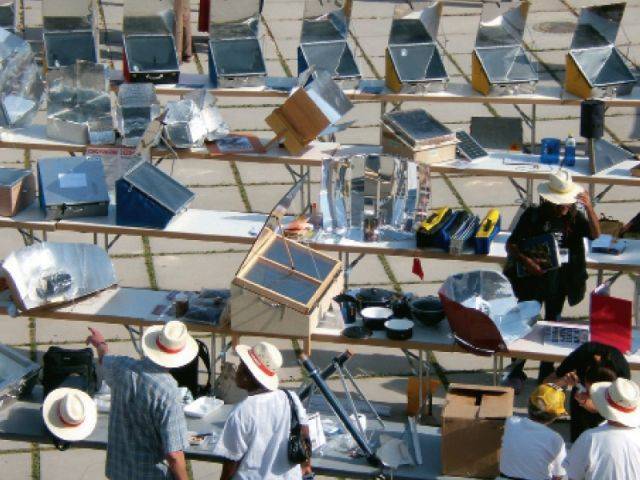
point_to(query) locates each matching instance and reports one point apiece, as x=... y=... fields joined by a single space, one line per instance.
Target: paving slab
x=194 y=272
x=16 y=466
x=73 y=464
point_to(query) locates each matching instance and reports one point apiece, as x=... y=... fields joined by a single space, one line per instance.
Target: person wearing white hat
x=69 y=414
x=557 y=215
x=255 y=437
x=147 y=427
x=610 y=451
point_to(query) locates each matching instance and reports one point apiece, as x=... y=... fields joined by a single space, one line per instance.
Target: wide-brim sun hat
x=560 y=188
x=169 y=345
x=263 y=361
x=618 y=401
x=70 y=414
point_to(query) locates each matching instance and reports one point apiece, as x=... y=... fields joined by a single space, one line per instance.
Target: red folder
x=610 y=321
x=203 y=16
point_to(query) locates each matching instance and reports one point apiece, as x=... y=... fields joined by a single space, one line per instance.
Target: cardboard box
x=439 y=153
x=472 y=427
x=17 y=190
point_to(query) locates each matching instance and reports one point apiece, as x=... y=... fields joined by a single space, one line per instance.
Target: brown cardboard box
x=472 y=427
x=17 y=191
x=394 y=145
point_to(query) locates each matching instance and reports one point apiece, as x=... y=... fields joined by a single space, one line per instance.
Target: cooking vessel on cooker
x=399 y=329
x=427 y=310
x=374 y=318
x=356 y=300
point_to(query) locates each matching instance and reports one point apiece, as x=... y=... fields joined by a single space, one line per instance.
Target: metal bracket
x=136 y=338
x=598 y=198
x=28 y=238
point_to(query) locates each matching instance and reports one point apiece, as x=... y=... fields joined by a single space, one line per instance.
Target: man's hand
x=531 y=266
x=97 y=340
x=584 y=199
x=569 y=380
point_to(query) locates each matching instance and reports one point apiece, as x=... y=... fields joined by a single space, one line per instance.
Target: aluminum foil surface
x=51 y=273
x=21 y=85
x=490 y=293
x=79 y=104
x=137 y=105
x=370 y=197
x=194 y=119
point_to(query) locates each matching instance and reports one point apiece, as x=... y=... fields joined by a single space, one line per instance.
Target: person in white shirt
x=610 y=451
x=254 y=440
x=530 y=449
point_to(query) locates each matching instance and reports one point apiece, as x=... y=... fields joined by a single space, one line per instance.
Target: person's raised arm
x=594 y=223
x=97 y=340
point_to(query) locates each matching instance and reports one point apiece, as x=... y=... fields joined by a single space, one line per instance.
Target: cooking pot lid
x=375 y=295
x=398 y=324
x=356 y=332
x=376 y=313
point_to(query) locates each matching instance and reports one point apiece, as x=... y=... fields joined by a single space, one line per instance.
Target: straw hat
x=169 y=345
x=560 y=189
x=618 y=401
x=69 y=414
x=548 y=399
x=263 y=361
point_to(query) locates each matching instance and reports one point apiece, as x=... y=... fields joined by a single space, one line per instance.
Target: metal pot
x=373 y=318
x=427 y=310
x=375 y=297
x=399 y=329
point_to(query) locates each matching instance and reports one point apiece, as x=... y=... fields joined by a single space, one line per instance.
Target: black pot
x=399 y=329
x=375 y=297
x=373 y=318
x=427 y=310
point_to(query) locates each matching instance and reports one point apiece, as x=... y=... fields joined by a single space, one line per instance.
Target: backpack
x=187 y=375
x=68 y=368
x=73 y=368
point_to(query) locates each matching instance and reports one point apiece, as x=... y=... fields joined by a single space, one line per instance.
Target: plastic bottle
x=569 y=152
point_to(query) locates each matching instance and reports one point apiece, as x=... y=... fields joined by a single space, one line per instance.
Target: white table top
x=238 y=227
x=459 y=90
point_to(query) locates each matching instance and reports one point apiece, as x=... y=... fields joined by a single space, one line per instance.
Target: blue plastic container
x=550 y=150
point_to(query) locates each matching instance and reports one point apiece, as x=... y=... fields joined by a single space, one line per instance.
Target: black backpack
x=68 y=368
x=73 y=368
x=187 y=375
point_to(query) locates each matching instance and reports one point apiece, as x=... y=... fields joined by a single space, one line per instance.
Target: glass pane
x=283 y=282
x=305 y=261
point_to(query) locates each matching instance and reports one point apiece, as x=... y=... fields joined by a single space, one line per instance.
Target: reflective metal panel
x=79 y=104
x=69 y=32
x=18 y=375
x=502 y=23
x=194 y=119
x=235 y=54
x=370 y=197
x=50 y=273
x=608 y=155
x=505 y=65
x=67 y=14
x=323 y=41
x=598 y=26
x=21 y=86
x=412 y=48
x=149 y=16
x=595 y=55
x=8 y=17
x=137 y=105
x=486 y=314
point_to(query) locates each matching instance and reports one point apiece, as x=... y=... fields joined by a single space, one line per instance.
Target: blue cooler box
x=148 y=197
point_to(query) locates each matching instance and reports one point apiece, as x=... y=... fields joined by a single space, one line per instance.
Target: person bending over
x=530 y=449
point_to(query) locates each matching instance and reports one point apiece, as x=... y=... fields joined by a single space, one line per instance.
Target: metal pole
x=420 y=378
x=533 y=128
x=592 y=166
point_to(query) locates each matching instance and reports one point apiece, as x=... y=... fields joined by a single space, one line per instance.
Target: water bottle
x=569 y=152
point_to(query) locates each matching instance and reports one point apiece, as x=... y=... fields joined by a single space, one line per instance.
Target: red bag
x=610 y=320
x=203 y=15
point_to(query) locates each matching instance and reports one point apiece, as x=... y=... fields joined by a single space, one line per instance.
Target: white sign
x=72 y=180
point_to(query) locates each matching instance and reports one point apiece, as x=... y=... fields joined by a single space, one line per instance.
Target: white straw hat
x=263 y=361
x=169 y=345
x=69 y=414
x=560 y=189
x=618 y=401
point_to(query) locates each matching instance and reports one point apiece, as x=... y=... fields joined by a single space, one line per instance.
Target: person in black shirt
x=590 y=363
x=558 y=215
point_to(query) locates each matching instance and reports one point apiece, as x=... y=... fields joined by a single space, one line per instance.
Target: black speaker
x=592 y=119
